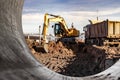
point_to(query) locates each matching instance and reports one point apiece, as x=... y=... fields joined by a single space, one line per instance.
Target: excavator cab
x=58 y=31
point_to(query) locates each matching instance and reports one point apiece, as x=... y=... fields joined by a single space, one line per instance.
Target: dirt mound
x=111 y=52
x=71 y=59
x=87 y=61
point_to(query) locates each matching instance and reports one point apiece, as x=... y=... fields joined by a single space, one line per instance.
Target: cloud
x=74 y=13
x=68 y=5
x=87 y=14
x=111 y=11
x=71 y=15
x=32 y=16
x=91 y=6
x=30 y=10
x=31 y=21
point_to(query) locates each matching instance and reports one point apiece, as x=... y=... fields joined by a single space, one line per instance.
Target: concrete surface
x=16 y=61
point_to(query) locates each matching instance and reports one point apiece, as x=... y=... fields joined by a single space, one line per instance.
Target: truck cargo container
x=103 y=33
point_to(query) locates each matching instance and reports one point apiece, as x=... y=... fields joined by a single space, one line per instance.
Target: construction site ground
x=75 y=59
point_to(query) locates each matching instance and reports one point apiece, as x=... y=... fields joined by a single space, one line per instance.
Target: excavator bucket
x=41 y=48
x=44 y=48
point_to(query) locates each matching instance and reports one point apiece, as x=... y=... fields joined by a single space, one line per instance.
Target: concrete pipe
x=16 y=60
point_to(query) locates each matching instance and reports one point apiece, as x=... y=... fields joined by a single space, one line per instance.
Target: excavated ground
x=75 y=59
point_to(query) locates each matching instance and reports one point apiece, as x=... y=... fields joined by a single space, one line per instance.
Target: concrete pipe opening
x=16 y=60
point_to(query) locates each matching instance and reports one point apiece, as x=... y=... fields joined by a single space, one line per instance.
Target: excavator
x=61 y=30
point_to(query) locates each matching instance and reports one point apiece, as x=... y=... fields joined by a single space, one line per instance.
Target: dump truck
x=103 y=33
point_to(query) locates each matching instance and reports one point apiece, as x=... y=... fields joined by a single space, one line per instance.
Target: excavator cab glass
x=58 y=31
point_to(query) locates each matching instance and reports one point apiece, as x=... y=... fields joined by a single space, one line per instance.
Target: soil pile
x=71 y=59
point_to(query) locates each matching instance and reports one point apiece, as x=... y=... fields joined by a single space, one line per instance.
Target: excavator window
x=58 y=30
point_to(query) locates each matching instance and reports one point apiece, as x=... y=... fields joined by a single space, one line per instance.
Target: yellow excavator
x=61 y=30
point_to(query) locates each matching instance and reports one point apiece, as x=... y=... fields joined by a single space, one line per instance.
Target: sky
x=77 y=12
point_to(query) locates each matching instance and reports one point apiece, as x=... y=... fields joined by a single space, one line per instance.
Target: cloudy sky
x=77 y=12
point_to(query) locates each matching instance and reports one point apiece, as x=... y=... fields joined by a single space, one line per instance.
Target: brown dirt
x=74 y=59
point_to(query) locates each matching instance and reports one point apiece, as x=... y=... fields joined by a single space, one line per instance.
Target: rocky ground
x=75 y=59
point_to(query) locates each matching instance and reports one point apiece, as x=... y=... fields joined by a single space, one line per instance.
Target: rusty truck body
x=103 y=33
